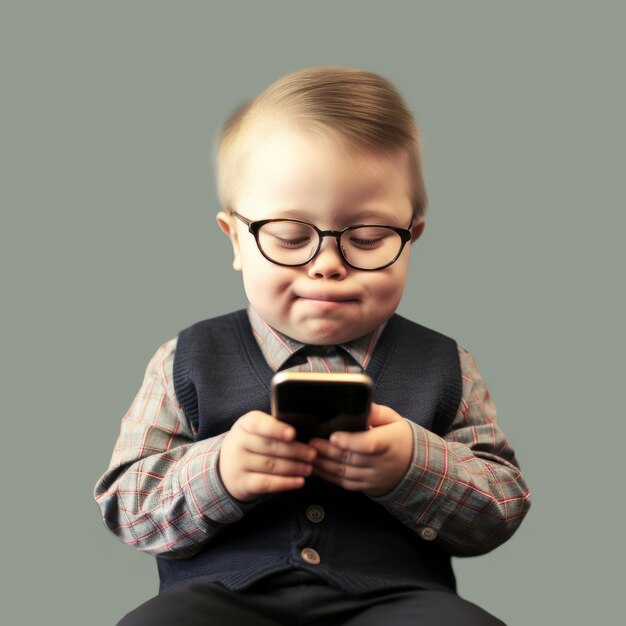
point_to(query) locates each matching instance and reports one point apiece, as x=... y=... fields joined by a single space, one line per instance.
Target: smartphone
x=318 y=404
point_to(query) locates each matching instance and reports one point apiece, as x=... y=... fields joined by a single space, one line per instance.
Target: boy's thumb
x=381 y=415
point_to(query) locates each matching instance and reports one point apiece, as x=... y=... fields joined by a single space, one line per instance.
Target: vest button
x=428 y=534
x=310 y=556
x=315 y=513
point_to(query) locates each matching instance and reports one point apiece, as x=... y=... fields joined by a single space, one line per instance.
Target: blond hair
x=359 y=108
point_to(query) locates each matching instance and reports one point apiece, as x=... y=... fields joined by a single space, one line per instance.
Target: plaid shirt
x=162 y=493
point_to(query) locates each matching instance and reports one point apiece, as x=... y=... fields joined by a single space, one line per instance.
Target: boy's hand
x=259 y=455
x=373 y=461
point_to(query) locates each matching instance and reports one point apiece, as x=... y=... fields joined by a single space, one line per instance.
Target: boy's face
x=298 y=175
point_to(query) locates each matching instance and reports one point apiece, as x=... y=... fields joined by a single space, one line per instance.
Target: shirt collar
x=277 y=347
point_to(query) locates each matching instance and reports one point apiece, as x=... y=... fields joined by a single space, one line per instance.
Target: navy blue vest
x=221 y=374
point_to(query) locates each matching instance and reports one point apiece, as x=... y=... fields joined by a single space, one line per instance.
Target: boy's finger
x=368 y=442
x=260 y=423
x=340 y=481
x=325 y=448
x=261 y=464
x=339 y=455
x=341 y=460
x=270 y=446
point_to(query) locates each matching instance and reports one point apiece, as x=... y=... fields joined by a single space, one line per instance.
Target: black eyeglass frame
x=254 y=227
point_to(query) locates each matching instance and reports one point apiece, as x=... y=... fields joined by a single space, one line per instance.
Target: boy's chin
x=325 y=334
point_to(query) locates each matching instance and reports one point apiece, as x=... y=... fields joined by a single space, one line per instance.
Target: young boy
x=321 y=184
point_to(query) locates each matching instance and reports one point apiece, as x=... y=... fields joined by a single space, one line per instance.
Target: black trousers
x=302 y=599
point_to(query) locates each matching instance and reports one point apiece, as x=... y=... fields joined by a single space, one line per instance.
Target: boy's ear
x=417 y=229
x=227 y=224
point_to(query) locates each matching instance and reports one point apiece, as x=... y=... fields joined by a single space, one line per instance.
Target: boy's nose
x=328 y=263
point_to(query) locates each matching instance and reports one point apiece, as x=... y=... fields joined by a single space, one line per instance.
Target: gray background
x=109 y=247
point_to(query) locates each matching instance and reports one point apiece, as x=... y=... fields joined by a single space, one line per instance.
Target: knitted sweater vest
x=220 y=374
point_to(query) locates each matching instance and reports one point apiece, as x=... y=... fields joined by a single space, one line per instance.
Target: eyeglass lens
x=293 y=243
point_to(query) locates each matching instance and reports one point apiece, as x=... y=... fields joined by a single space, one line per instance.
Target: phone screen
x=319 y=406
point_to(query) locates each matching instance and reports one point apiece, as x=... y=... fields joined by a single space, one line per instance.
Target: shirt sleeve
x=162 y=493
x=465 y=489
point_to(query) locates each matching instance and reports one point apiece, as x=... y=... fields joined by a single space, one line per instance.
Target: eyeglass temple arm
x=241 y=218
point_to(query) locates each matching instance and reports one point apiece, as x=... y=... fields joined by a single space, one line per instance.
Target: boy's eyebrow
x=380 y=216
x=375 y=214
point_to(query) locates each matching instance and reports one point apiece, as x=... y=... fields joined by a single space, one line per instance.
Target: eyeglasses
x=293 y=243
